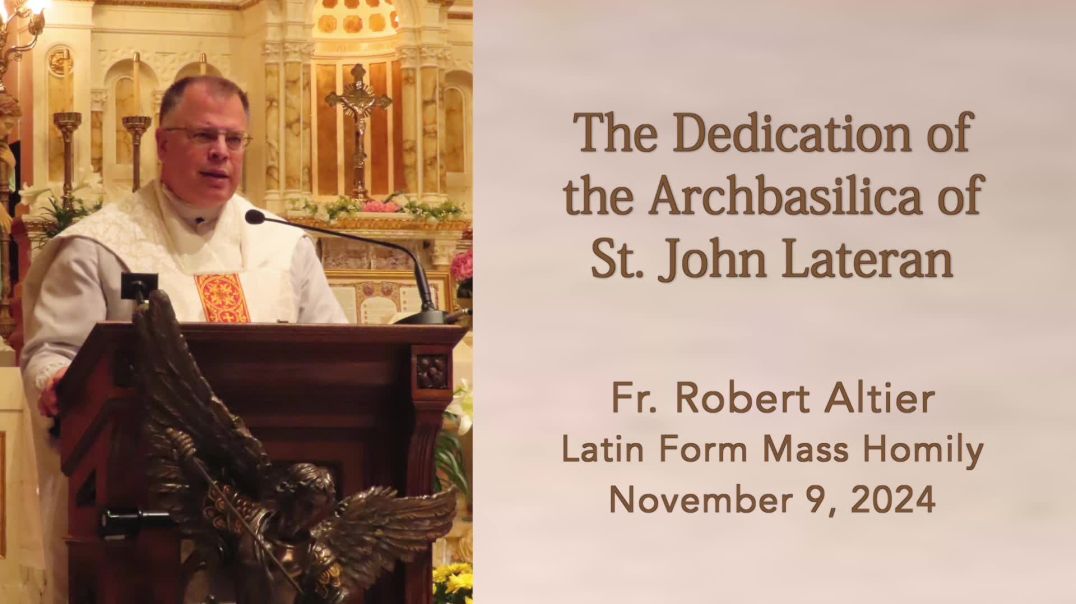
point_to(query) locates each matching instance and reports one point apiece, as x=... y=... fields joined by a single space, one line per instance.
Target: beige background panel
x=994 y=341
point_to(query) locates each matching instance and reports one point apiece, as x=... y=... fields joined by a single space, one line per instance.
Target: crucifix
x=358 y=102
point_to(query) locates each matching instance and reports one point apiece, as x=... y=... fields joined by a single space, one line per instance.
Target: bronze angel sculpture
x=263 y=534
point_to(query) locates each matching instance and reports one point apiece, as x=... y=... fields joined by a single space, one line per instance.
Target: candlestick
x=137 y=83
x=67 y=123
x=69 y=84
x=136 y=125
x=201 y=64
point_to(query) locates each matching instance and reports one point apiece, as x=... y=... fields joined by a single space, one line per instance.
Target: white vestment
x=74 y=282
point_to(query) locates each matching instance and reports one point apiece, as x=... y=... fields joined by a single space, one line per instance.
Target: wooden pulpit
x=364 y=401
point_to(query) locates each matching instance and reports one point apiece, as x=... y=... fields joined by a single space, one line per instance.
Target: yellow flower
x=443 y=573
x=468 y=600
x=460 y=581
x=440 y=574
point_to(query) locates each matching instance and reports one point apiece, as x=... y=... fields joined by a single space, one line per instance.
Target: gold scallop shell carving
x=60 y=62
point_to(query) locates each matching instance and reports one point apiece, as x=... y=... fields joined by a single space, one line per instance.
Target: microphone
x=429 y=315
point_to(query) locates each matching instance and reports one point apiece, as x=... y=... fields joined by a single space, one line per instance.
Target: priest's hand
x=49 y=404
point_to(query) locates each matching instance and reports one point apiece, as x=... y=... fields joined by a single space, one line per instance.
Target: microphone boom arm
x=429 y=314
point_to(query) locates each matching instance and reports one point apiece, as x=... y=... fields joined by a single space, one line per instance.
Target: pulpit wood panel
x=365 y=401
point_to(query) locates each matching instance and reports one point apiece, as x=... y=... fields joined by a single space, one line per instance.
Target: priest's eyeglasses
x=203 y=137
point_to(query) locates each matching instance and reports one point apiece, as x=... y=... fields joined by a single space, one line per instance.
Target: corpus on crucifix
x=358 y=102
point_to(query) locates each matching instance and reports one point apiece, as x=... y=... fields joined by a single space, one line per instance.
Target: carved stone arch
x=458 y=95
x=116 y=175
x=123 y=68
x=459 y=77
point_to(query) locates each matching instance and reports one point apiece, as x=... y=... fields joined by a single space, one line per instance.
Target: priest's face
x=201 y=145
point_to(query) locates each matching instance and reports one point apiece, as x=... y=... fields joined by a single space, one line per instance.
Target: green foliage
x=304 y=204
x=349 y=207
x=448 y=462
x=343 y=206
x=60 y=217
x=446 y=210
x=443 y=211
x=328 y=212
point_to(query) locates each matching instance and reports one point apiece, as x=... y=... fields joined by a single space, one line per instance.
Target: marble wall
x=410 y=137
x=96 y=140
x=431 y=113
x=272 y=129
x=455 y=154
x=123 y=103
x=328 y=170
x=306 y=177
x=378 y=170
x=292 y=127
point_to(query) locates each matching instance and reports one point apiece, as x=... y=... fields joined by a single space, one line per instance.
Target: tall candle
x=69 y=76
x=137 y=84
x=201 y=64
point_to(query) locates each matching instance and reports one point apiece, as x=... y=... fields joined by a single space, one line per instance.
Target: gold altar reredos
x=288 y=54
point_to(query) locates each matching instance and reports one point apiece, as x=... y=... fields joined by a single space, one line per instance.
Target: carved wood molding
x=431 y=371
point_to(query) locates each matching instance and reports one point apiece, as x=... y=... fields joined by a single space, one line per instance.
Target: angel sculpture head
x=305 y=494
x=268 y=534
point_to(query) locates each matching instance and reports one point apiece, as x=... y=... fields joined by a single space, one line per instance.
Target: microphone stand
x=429 y=315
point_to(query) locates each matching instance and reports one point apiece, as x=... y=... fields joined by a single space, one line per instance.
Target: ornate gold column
x=408 y=66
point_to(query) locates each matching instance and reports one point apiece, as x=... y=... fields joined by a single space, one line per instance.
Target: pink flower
x=463 y=266
x=373 y=206
x=390 y=206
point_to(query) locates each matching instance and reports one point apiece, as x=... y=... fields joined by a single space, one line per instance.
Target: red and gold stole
x=222 y=298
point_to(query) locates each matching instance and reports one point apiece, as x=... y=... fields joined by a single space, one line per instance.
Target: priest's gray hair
x=217 y=85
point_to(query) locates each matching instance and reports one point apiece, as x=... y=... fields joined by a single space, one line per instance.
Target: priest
x=188 y=228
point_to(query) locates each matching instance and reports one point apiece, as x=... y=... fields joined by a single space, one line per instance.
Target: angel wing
x=193 y=437
x=215 y=515
x=369 y=531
